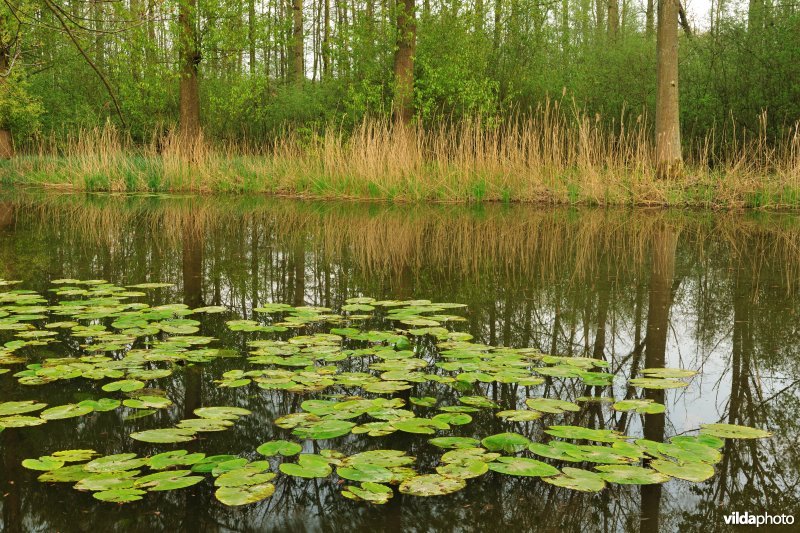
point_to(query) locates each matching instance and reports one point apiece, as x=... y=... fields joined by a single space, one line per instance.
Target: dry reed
x=557 y=155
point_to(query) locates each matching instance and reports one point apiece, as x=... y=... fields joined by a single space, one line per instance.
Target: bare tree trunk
x=251 y=35
x=326 y=39
x=404 y=61
x=668 y=133
x=189 y=59
x=297 y=64
x=6 y=142
x=613 y=18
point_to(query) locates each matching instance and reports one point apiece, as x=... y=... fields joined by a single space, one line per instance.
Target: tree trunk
x=297 y=64
x=6 y=142
x=251 y=35
x=613 y=18
x=668 y=133
x=404 y=61
x=189 y=59
x=326 y=39
x=649 y=18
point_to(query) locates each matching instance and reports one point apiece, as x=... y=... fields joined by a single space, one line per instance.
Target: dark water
x=719 y=293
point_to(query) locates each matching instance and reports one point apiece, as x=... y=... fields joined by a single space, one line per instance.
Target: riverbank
x=544 y=159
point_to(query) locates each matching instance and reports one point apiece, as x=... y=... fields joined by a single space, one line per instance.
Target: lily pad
x=733 y=431
x=119 y=495
x=507 y=442
x=522 y=466
x=465 y=469
x=43 y=463
x=164 y=436
x=221 y=412
x=235 y=496
x=65 y=411
x=308 y=466
x=431 y=485
x=324 y=429
x=168 y=480
x=454 y=442
x=690 y=471
x=282 y=447
x=577 y=479
x=18 y=408
x=631 y=475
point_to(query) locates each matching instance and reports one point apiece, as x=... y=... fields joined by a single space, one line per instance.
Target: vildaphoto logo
x=764 y=519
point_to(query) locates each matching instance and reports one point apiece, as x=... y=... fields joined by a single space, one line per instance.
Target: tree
x=668 y=135
x=296 y=52
x=404 y=61
x=189 y=59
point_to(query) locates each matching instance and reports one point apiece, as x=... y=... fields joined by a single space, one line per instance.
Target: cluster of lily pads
x=127 y=345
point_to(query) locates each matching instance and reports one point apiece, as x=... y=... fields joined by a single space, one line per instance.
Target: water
x=715 y=292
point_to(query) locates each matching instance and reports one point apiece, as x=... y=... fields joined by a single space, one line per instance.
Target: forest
x=569 y=87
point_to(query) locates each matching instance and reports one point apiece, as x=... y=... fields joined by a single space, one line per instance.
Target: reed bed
x=556 y=155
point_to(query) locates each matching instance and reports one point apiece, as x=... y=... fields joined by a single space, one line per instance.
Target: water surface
x=714 y=292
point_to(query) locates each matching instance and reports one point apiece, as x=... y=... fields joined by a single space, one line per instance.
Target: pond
x=515 y=359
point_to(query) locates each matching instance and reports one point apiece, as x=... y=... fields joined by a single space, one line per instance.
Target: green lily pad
x=164 y=436
x=115 y=463
x=107 y=481
x=454 y=442
x=168 y=480
x=646 y=406
x=657 y=383
x=235 y=496
x=551 y=405
x=690 y=471
x=668 y=372
x=65 y=411
x=464 y=469
x=65 y=474
x=631 y=475
x=119 y=495
x=522 y=466
x=324 y=429
x=211 y=462
x=431 y=485
x=733 y=431
x=282 y=447
x=249 y=474
x=577 y=479
x=221 y=412
x=165 y=460
x=21 y=421
x=308 y=466
x=581 y=433
x=73 y=456
x=365 y=472
x=18 y=408
x=453 y=419
x=124 y=385
x=507 y=442
x=43 y=463
x=370 y=492
x=102 y=404
x=552 y=452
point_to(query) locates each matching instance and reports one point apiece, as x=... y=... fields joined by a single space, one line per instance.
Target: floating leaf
x=65 y=474
x=657 y=383
x=115 y=463
x=551 y=405
x=73 y=456
x=690 y=471
x=431 y=485
x=166 y=460
x=577 y=479
x=371 y=492
x=581 y=433
x=107 y=481
x=464 y=469
x=164 y=436
x=234 y=496
x=221 y=412
x=124 y=385
x=65 y=411
x=668 y=372
x=507 y=442
x=733 y=431
x=283 y=447
x=645 y=406
x=18 y=408
x=169 y=480
x=119 y=495
x=324 y=429
x=308 y=466
x=522 y=466
x=454 y=442
x=631 y=475
x=43 y=463
x=365 y=472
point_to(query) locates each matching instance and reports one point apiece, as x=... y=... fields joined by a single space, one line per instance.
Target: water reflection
x=715 y=292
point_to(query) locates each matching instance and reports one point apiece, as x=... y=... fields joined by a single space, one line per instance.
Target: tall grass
x=558 y=154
